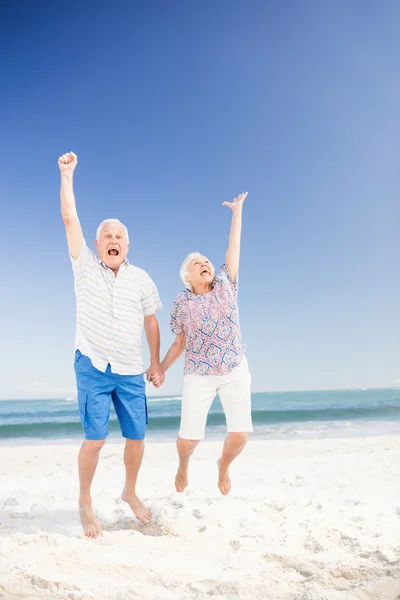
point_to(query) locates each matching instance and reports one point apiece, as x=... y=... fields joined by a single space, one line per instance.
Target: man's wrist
x=67 y=176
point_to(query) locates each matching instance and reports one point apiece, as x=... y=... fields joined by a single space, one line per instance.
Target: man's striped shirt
x=110 y=312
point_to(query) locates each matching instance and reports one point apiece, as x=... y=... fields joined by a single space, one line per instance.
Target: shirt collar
x=126 y=262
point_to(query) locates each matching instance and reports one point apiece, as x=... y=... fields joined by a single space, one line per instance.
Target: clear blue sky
x=174 y=107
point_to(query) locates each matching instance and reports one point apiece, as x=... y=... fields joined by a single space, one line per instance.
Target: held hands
x=156 y=375
x=237 y=203
x=67 y=162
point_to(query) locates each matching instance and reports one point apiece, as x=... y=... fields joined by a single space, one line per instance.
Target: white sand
x=306 y=520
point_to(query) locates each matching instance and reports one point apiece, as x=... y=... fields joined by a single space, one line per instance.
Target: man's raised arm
x=233 y=252
x=67 y=163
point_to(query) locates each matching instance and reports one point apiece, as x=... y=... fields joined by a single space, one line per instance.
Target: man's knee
x=129 y=443
x=94 y=446
x=238 y=439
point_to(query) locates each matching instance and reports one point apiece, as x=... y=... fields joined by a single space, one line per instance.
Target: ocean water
x=284 y=415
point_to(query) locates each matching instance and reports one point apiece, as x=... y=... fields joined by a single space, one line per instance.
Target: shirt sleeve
x=223 y=278
x=151 y=302
x=81 y=259
x=178 y=314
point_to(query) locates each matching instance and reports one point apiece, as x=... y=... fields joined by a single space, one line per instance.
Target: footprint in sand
x=312 y=545
x=197 y=514
x=205 y=586
x=11 y=501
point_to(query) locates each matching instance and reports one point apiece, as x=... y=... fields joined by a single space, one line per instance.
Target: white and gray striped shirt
x=110 y=312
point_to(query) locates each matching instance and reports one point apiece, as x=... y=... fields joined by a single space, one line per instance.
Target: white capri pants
x=199 y=391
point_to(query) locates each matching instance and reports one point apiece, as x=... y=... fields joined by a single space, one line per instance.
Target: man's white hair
x=108 y=222
x=184 y=268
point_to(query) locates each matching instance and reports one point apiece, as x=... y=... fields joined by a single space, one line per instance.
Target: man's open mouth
x=113 y=252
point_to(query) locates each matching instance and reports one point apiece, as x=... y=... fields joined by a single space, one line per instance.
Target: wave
x=68 y=424
x=164 y=399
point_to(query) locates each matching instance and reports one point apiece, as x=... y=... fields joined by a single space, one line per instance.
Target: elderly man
x=205 y=320
x=114 y=301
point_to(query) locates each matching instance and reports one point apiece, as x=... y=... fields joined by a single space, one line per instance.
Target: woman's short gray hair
x=184 y=268
x=107 y=222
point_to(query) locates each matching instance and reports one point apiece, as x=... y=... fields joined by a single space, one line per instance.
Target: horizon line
x=353 y=389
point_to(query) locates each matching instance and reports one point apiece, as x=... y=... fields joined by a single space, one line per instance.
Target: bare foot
x=91 y=526
x=181 y=479
x=140 y=510
x=224 y=482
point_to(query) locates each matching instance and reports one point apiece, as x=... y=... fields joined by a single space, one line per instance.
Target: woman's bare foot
x=140 y=511
x=91 y=526
x=224 y=482
x=181 y=479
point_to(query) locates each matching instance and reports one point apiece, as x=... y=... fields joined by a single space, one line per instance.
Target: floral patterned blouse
x=211 y=325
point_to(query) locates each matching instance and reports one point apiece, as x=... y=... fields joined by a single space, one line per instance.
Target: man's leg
x=233 y=446
x=94 y=400
x=87 y=463
x=133 y=455
x=131 y=407
x=185 y=450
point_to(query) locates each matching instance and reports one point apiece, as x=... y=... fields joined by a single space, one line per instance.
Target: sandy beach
x=306 y=520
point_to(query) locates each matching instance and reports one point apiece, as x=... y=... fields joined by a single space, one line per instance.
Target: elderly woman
x=205 y=320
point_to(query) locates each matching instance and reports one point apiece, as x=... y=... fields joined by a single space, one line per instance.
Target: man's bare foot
x=181 y=479
x=224 y=482
x=141 y=511
x=91 y=526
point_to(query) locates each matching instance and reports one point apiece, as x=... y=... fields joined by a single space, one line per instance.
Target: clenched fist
x=67 y=162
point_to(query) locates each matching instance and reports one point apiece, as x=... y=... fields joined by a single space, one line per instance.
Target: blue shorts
x=96 y=390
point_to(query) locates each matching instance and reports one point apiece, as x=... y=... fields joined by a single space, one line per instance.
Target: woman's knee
x=187 y=444
x=238 y=439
